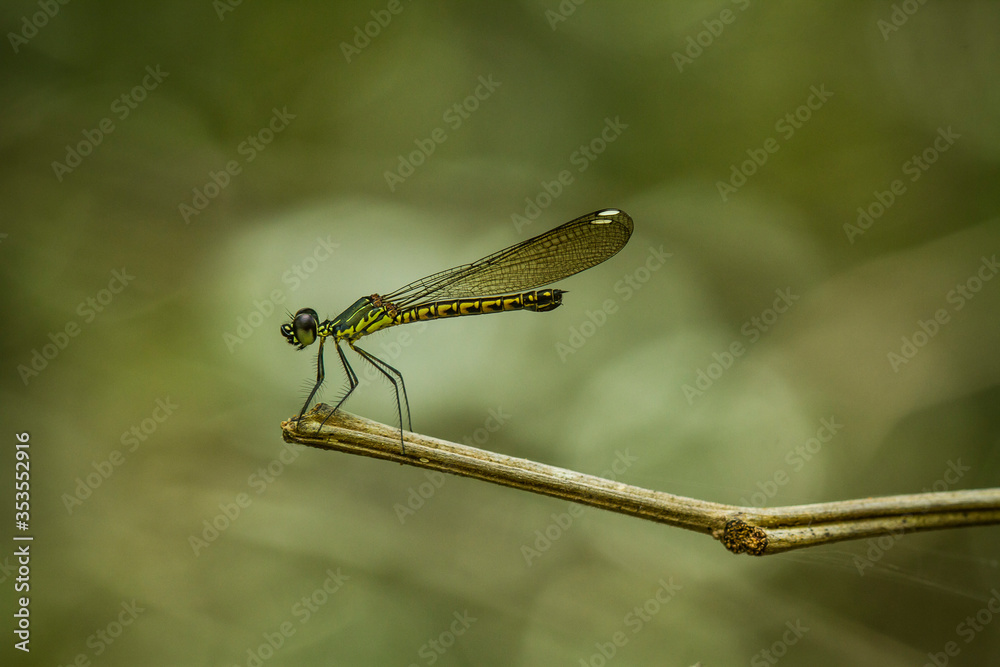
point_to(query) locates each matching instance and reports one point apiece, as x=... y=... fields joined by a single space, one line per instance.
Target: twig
x=757 y=531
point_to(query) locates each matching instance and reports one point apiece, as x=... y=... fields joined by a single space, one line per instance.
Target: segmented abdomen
x=538 y=300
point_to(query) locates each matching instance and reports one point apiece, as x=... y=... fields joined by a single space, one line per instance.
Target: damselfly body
x=506 y=280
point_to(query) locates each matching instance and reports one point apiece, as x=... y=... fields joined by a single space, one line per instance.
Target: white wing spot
x=610 y=211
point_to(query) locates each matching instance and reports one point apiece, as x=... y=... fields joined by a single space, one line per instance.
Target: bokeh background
x=142 y=352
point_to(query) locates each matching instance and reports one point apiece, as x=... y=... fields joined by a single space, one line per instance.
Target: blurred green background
x=143 y=355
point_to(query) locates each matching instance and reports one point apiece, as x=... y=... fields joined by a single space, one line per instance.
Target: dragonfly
x=505 y=281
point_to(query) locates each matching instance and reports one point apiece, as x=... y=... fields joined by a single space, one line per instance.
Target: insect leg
x=352 y=380
x=320 y=376
x=392 y=374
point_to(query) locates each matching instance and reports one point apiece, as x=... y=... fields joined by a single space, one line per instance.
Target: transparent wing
x=546 y=258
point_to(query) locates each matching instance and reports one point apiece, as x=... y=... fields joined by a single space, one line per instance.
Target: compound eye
x=304 y=325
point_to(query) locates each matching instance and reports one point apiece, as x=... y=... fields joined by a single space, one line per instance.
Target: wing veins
x=551 y=256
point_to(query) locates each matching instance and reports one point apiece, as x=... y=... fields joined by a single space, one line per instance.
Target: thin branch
x=757 y=531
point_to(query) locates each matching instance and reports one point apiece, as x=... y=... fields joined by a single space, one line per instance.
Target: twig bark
x=757 y=531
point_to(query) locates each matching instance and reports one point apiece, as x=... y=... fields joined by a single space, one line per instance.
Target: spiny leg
x=392 y=374
x=375 y=361
x=320 y=376
x=352 y=380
